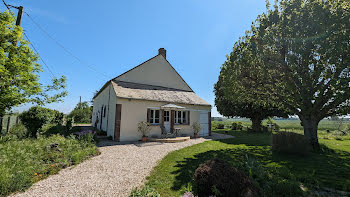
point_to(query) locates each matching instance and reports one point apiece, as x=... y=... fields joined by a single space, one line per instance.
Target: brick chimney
x=162 y=51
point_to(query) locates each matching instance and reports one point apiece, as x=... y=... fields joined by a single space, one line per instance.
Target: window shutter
x=188 y=117
x=148 y=115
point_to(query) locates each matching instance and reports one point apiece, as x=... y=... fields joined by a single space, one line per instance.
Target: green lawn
x=330 y=168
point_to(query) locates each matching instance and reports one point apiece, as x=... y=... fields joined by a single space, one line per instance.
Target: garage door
x=203 y=118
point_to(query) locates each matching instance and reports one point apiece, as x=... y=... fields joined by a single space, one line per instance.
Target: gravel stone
x=115 y=172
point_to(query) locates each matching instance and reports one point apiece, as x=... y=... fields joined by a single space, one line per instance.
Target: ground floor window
x=181 y=117
x=154 y=116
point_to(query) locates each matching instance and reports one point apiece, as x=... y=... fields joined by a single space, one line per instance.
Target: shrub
x=51 y=129
x=196 y=127
x=69 y=123
x=218 y=177
x=146 y=191
x=35 y=118
x=58 y=117
x=237 y=126
x=81 y=113
x=291 y=143
x=220 y=126
x=143 y=127
x=19 y=130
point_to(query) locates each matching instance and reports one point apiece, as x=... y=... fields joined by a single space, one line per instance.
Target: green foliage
x=236 y=126
x=35 y=118
x=69 y=123
x=290 y=143
x=196 y=127
x=24 y=162
x=146 y=191
x=220 y=126
x=243 y=90
x=307 y=43
x=19 y=130
x=82 y=113
x=143 y=127
x=19 y=70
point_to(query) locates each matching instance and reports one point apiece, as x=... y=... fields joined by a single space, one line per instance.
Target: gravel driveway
x=118 y=169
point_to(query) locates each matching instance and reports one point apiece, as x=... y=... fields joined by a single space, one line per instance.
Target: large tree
x=19 y=70
x=243 y=89
x=308 y=42
x=82 y=113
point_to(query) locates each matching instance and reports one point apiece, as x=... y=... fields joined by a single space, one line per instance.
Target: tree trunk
x=256 y=123
x=310 y=125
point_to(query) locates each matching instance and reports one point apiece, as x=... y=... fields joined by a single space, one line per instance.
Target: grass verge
x=24 y=162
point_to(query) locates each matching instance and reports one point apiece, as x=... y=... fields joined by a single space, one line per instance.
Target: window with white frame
x=154 y=116
x=180 y=117
x=166 y=116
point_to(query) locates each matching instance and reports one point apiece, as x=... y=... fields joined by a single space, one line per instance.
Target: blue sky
x=114 y=36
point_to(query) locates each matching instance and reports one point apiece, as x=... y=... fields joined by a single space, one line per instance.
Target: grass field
x=291 y=124
x=330 y=168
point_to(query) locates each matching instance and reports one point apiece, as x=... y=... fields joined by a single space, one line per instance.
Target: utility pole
x=19 y=15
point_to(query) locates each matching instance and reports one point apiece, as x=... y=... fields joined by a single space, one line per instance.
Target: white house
x=152 y=91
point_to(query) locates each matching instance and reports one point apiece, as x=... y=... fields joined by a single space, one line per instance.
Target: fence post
x=0 y=124
x=17 y=120
x=8 y=124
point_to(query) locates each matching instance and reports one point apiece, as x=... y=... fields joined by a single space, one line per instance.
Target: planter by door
x=118 y=114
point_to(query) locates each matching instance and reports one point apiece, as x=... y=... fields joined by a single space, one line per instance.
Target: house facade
x=152 y=91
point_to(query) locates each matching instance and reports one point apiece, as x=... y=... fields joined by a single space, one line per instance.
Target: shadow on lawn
x=326 y=169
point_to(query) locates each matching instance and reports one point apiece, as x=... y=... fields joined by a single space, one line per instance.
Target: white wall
x=134 y=111
x=155 y=72
x=106 y=98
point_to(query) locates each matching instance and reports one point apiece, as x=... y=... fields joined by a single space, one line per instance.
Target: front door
x=167 y=120
x=118 y=114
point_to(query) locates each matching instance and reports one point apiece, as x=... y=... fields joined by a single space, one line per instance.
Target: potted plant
x=196 y=128
x=143 y=127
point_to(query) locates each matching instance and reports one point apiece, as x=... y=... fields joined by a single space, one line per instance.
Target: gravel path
x=118 y=169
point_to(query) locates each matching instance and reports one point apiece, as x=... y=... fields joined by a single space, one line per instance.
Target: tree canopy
x=243 y=89
x=82 y=113
x=305 y=47
x=19 y=70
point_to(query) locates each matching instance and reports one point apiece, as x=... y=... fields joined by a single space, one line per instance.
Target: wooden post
x=19 y=15
x=8 y=124
x=1 y=124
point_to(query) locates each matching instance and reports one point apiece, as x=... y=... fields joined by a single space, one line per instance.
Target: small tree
x=35 y=118
x=196 y=127
x=19 y=70
x=144 y=128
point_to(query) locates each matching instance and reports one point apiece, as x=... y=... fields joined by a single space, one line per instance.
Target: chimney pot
x=162 y=51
